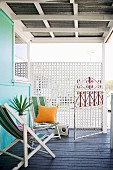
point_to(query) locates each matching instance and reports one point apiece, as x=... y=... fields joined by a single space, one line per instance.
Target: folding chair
x=25 y=136
x=34 y=110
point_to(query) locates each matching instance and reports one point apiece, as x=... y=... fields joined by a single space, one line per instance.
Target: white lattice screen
x=21 y=69
x=56 y=82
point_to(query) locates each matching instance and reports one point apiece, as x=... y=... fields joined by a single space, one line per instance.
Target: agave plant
x=20 y=104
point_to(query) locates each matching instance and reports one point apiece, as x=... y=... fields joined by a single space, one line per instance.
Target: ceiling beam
x=75 y=11
x=80 y=17
x=107 y=35
x=53 y=1
x=68 y=40
x=66 y=30
x=28 y=1
x=37 y=5
x=109 y=25
x=75 y=7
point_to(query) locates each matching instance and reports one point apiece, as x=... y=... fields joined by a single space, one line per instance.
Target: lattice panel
x=56 y=82
x=21 y=69
x=88 y=117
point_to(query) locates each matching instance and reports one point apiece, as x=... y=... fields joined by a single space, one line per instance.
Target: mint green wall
x=6 y=48
x=8 y=89
x=6 y=93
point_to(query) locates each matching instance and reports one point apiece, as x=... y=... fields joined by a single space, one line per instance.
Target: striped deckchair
x=25 y=136
x=44 y=125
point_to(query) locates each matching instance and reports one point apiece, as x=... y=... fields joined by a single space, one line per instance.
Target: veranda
x=78 y=88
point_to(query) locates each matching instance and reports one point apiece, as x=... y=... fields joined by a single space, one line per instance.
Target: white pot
x=24 y=118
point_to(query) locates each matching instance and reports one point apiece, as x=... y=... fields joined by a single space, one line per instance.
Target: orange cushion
x=46 y=114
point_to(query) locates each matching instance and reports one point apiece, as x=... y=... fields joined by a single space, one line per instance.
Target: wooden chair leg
x=25 y=146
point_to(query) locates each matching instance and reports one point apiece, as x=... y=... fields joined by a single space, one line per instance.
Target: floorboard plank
x=90 y=153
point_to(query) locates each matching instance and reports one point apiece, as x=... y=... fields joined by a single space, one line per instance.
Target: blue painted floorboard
x=91 y=153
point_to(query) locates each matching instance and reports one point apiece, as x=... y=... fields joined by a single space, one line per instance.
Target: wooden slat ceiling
x=64 y=8
x=23 y=8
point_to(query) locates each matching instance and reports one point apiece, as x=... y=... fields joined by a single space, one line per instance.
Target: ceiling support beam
x=75 y=11
x=27 y=1
x=49 y=1
x=75 y=7
x=107 y=35
x=68 y=40
x=37 y=5
x=19 y=1
x=85 y=30
x=80 y=17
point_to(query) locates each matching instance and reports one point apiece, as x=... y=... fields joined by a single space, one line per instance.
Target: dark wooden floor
x=90 y=153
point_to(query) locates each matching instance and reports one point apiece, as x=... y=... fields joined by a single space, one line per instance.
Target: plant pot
x=24 y=118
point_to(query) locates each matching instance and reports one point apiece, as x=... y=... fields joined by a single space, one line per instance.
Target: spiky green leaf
x=20 y=105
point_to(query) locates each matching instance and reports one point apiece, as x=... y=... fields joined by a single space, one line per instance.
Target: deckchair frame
x=26 y=129
x=44 y=125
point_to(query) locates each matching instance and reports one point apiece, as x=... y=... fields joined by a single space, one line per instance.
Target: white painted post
x=74 y=115
x=104 y=128
x=28 y=57
x=104 y=112
x=111 y=127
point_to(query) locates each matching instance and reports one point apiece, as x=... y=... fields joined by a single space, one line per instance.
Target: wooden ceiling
x=64 y=20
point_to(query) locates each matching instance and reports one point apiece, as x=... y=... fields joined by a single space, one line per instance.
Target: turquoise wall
x=8 y=89
x=6 y=48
